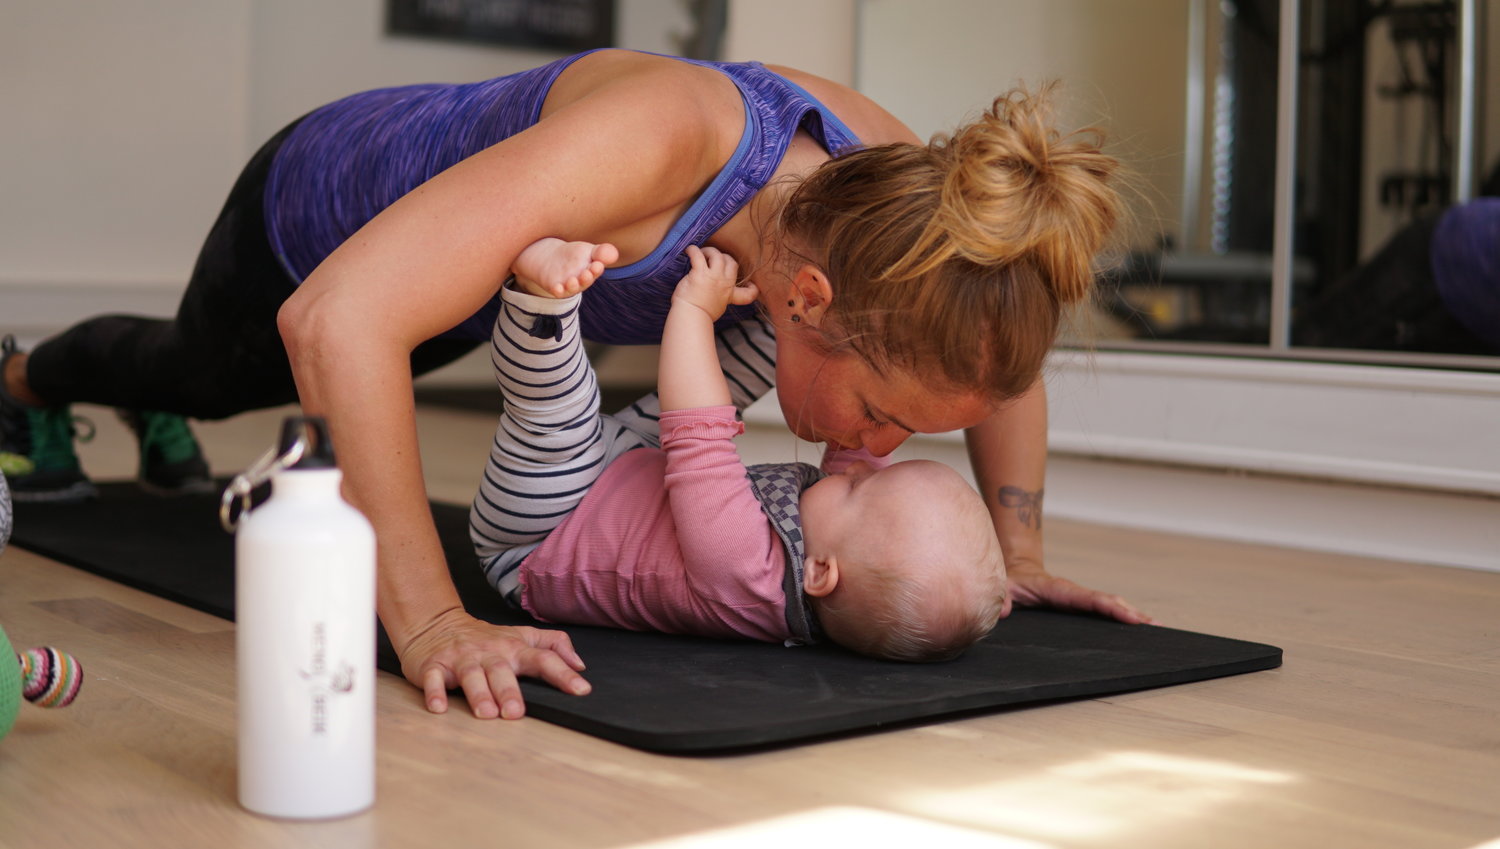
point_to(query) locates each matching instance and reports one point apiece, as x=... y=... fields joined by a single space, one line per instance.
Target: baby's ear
x=820 y=575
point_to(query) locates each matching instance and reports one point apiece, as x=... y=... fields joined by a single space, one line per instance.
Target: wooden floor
x=1381 y=730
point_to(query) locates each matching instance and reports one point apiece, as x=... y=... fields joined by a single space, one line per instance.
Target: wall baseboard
x=1404 y=427
x=35 y=310
x=1389 y=523
x=1410 y=427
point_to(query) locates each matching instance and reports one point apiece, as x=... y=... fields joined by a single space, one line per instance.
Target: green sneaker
x=171 y=461
x=37 y=455
x=36 y=446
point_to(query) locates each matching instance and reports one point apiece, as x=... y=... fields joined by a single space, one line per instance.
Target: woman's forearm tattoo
x=1028 y=505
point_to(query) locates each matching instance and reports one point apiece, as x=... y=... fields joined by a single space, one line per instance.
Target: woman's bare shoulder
x=872 y=123
x=698 y=109
x=669 y=81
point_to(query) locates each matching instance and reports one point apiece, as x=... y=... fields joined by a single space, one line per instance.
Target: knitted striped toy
x=43 y=676
x=49 y=678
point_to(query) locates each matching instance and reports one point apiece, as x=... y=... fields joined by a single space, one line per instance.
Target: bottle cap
x=312 y=432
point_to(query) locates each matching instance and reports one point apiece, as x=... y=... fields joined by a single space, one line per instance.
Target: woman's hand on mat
x=1032 y=586
x=457 y=651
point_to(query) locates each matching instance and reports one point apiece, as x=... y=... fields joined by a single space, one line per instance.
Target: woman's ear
x=820 y=575
x=811 y=294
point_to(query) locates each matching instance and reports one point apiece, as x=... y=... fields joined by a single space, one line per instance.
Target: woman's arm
x=594 y=169
x=1009 y=455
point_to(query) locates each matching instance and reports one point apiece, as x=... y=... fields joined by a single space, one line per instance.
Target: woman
x=912 y=289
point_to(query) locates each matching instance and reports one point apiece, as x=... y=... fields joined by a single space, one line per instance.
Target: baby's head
x=901 y=562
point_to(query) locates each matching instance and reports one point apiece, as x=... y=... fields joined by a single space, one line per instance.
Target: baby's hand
x=552 y=268
x=710 y=284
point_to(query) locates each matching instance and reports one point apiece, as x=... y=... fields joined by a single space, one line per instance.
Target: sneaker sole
x=198 y=487
x=81 y=491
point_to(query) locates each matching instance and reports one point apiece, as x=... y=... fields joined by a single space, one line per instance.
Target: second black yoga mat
x=676 y=694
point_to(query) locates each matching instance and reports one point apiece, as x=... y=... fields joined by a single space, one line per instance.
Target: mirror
x=1387 y=119
x=1323 y=260
x=1208 y=276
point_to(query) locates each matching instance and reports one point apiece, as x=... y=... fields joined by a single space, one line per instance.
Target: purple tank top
x=347 y=161
x=1466 y=265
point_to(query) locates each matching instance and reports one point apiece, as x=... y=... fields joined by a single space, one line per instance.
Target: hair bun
x=1018 y=190
x=955 y=259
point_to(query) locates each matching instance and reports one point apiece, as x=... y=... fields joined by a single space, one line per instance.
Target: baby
x=656 y=524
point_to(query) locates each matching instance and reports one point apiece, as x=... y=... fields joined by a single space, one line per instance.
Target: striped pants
x=552 y=443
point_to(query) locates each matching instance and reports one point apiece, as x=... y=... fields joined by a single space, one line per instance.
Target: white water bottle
x=305 y=638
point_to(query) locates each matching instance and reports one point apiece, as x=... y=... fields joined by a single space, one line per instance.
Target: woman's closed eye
x=878 y=421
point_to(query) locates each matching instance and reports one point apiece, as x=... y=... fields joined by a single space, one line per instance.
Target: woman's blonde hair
x=956 y=259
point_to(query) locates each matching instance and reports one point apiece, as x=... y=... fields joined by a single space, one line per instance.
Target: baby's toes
x=604 y=254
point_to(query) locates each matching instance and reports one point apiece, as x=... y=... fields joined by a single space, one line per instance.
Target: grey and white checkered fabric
x=779 y=487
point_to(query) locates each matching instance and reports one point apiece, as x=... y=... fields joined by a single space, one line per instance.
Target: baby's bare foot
x=552 y=268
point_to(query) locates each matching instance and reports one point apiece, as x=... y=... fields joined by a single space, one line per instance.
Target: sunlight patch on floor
x=1097 y=797
x=866 y=828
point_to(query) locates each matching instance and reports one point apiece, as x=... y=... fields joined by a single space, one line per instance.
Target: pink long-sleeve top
x=669 y=540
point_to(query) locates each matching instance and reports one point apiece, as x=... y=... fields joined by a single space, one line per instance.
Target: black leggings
x=1388 y=303
x=222 y=354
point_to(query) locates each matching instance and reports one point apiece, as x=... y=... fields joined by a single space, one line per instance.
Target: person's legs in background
x=220 y=355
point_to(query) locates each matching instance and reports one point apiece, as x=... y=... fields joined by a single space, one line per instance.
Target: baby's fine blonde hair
x=919 y=622
x=930 y=576
x=955 y=259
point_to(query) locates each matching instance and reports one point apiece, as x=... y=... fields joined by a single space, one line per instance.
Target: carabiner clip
x=260 y=471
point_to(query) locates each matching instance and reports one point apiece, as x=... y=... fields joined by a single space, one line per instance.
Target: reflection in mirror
x=1188 y=91
x=1391 y=211
x=1210 y=280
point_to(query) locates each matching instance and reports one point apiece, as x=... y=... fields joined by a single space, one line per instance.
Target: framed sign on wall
x=544 y=24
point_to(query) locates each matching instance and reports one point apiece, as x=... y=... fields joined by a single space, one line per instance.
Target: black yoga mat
x=667 y=693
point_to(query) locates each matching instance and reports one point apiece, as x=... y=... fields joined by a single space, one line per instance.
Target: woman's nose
x=882 y=441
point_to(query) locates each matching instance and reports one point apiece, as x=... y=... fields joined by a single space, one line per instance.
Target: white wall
x=816 y=36
x=303 y=55
x=123 y=127
x=125 y=124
